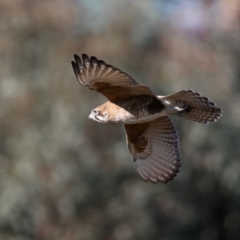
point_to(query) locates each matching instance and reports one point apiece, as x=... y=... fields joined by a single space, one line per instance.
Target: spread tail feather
x=192 y=106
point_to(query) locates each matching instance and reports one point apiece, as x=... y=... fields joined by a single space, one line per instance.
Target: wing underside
x=106 y=79
x=155 y=149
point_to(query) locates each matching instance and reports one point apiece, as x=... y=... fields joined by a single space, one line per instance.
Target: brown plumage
x=151 y=136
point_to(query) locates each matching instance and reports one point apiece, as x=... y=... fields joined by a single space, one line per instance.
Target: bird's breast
x=136 y=109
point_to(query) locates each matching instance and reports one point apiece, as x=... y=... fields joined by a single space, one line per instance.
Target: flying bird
x=151 y=137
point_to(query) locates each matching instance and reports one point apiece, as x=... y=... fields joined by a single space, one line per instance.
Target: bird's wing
x=155 y=149
x=106 y=79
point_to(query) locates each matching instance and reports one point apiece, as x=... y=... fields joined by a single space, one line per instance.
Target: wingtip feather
x=85 y=58
x=75 y=69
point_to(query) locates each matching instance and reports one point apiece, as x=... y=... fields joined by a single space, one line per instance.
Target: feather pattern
x=196 y=107
x=106 y=79
x=155 y=149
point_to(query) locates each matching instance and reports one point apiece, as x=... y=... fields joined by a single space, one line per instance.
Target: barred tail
x=192 y=106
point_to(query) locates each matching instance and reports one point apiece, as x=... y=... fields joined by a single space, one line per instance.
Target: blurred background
x=63 y=176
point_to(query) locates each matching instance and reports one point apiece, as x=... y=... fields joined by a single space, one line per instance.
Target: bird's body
x=151 y=136
x=132 y=110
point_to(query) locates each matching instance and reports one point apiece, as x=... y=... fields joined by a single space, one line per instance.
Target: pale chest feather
x=135 y=109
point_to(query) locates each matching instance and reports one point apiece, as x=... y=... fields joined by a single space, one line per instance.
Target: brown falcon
x=151 y=137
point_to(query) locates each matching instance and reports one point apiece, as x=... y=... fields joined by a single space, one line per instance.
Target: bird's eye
x=95 y=112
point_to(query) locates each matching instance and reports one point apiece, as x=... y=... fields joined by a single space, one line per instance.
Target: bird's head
x=99 y=114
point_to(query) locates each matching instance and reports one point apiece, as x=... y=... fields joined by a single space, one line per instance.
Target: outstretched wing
x=155 y=149
x=106 y=79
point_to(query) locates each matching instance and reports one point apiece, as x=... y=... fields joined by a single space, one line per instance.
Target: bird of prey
x=151 y=137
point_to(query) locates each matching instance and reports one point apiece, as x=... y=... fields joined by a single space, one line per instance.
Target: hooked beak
x=90 y=117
